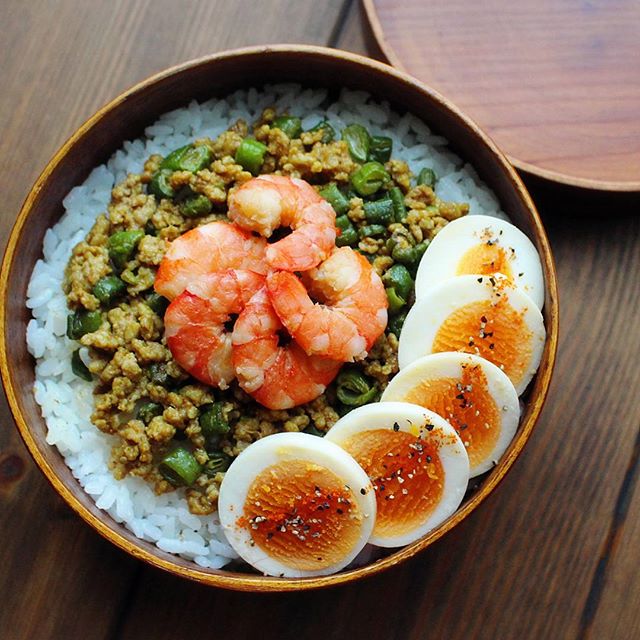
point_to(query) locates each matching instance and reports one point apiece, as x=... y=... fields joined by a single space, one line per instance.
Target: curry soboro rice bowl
x=67 y=402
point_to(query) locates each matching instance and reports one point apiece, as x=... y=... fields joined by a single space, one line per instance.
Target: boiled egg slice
x=296 y=505
x=474 y=396
x=483 y=315
x=482 y=245
x=416 y=462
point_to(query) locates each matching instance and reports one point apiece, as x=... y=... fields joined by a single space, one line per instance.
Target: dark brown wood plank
x=61 y=61
x=355 y=34
x=611 y=612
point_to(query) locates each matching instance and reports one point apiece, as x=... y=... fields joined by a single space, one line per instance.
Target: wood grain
x=611 y=614
x=523 y=566
x=556 y=83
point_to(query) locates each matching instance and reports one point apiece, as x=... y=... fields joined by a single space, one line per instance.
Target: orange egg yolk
x=467 y=405
x=302 y=515
x=406 y=474
x=485 y=258
x=495 y=331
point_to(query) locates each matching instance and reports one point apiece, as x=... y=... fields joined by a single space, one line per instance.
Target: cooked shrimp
x=267 y=202
x=195 y=323
x=211 y=247
x=354 y=312
x=278 y=377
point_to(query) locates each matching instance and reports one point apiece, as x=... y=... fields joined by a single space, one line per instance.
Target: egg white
x=440 y=260
x=449 y=365
x=412 y=418
x=428 y=314
x=277 y=449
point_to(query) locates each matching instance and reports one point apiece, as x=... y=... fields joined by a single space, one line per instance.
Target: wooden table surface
x=553 y=553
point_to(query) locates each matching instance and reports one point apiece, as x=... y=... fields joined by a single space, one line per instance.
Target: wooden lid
x=556 y=83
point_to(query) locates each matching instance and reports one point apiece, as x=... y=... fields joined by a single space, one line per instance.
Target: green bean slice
x=158 y=374
x=212 y=420
x=195 y=206
x=369 y=178
x=380 y=149
x=400 y=279
x=171 y=161
x=396 y=322
x=149 y=410
x=335 y=198
x=82 y=322
x=372 y=231
x=250 y=155
x=79 y=368
x=196 y=159
x=179 y=467
x=379 y=211
x=159 y=185
x=218 y=462
x=427 y=177
x=122 y=245
x=157 y=303
x=354 y=388
x=190 y=158
x=358 y=141
x=313 y=431
x=109 y=288
x=343 y=223
x=419 y=250
x=404 y=255
x=394 y=300
x=397 y=200
x=329 y=133
x=348 y=235
x=347 y=238
x=289 y=125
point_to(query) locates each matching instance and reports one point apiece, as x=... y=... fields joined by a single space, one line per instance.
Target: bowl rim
x=259 y=583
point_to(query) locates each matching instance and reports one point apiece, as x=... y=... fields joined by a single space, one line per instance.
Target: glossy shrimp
x=351 y=314
x=268 y=202
x=277 y=376
x=195 y=323
x=208 y=248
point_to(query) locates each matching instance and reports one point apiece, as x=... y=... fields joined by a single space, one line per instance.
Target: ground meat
x=130 y=206
x=87 y=265
x=228 y=142
x=382 y=362
x=400 y=173
x=131 y=363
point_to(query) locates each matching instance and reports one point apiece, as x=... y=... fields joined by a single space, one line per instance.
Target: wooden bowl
x=125 y=118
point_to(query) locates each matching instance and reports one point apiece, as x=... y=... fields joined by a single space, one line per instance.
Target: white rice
x=67 y=401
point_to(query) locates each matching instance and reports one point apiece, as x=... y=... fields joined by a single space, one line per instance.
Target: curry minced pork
x=142 y=395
